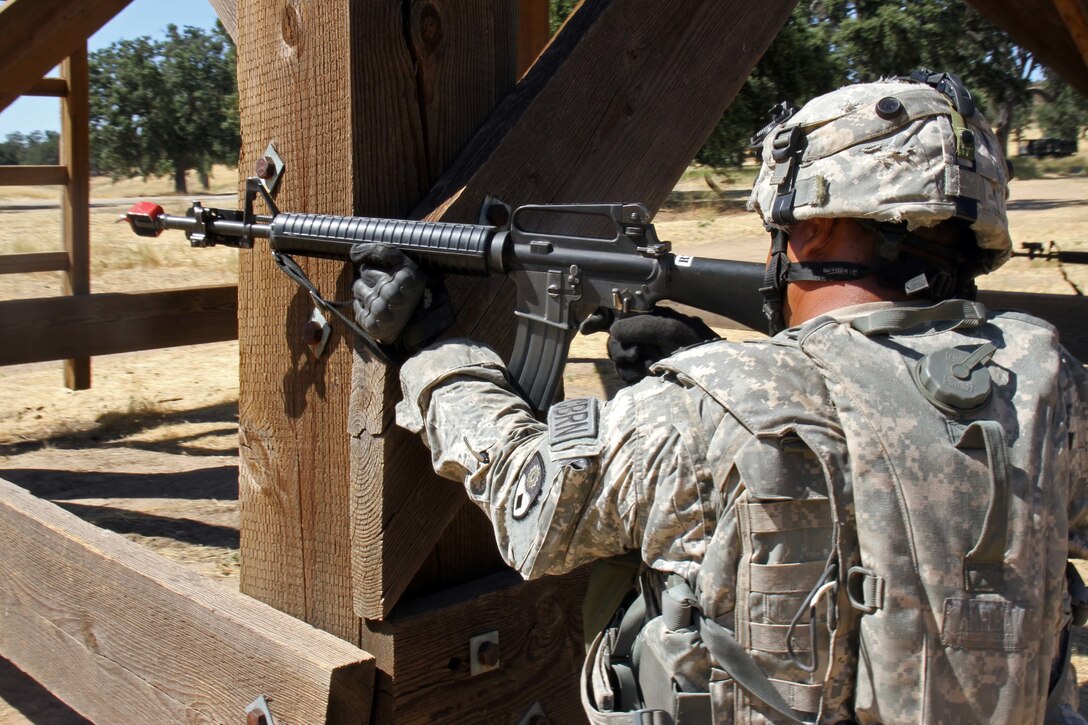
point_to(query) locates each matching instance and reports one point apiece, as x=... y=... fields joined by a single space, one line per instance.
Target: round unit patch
x=530 y=484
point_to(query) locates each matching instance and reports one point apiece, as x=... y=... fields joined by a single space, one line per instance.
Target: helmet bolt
x=266 y=167
x=888 y=107
x=967 y=137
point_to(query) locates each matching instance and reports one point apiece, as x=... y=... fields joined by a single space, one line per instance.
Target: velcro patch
x=573 y=419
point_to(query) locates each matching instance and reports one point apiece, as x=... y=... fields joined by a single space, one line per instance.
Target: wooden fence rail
x=58 y=328
x=122 y=634
x=34 y=262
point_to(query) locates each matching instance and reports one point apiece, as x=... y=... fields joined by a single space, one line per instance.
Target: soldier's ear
x=812 y=239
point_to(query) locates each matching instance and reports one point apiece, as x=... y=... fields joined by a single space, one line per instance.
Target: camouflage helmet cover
x=894 y=151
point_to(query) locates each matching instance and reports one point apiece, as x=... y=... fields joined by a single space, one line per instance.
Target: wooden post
x=75 y=151
x=366 y=102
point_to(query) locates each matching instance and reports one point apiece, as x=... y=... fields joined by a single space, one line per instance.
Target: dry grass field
x=150 y=450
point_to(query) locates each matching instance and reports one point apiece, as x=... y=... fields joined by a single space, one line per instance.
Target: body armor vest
x=901 y=524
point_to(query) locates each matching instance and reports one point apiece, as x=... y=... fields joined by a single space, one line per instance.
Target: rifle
x=561 y=279
x=1035 y=250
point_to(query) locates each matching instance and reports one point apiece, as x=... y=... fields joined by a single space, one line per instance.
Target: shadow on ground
x=181 y=529
x=219 y=482
x=116 y=430
x=26 y=697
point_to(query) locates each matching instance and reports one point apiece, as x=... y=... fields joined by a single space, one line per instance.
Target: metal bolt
x=266 y=167
x=488 y=654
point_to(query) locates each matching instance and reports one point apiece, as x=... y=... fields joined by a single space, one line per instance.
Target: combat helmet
x=896 y=155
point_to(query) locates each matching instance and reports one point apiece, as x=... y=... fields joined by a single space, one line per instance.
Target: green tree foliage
x=558 y=12
x=36 y=147
x=884 y=39
x=165 y=106
x=797 y=67
x=1063 y=111
x=828 y=43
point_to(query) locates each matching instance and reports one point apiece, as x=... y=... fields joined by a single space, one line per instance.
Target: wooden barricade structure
x=391 y=108
x=79 y=325
x=73 y=174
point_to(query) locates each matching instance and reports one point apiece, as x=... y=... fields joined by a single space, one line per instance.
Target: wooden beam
x=227 y=10
x=1076 y=22
x=34 y=262
x=56 y=87
x=1039 y=27
x=585 y=124
x=58 y=328
x=48 y=31
x=124 y=635
x=540 y=645
x=587 y=121
x=29 y=175
x=75 y=155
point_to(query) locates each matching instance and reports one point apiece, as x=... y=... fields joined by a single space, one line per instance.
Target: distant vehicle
x=1043 y=147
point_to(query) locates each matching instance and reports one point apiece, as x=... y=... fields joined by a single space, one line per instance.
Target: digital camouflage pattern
x=748 y=470
x=909 y=166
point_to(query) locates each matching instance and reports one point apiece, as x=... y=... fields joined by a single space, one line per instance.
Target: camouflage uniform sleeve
x=1076 y=394
x=587 y=484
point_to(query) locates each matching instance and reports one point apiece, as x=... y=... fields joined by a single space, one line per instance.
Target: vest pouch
x=723 y=696
x=672 y=670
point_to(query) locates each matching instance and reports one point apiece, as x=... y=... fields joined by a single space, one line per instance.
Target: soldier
x=866 y=518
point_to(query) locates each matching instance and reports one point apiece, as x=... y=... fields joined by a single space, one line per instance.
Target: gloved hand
x=395 y=302
x=638 y=341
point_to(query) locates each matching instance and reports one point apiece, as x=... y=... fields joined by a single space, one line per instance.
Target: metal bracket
x=270 y=168
x=534 y=716
x=316 y=333
x=258 y=713
x=483 y=653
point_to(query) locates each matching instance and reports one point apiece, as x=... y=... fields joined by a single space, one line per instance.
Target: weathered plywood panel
x=123 y=635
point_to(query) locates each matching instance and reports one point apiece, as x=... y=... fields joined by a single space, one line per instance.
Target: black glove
x=395 y=303
x=638 y=341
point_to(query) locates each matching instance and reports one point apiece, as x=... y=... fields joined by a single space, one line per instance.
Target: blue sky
x=141 y=17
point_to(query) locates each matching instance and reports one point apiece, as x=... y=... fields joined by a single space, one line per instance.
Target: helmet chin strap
x=781 y=271
x=895 y=265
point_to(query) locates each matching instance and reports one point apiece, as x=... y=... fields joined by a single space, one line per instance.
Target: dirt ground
x=150 y=451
